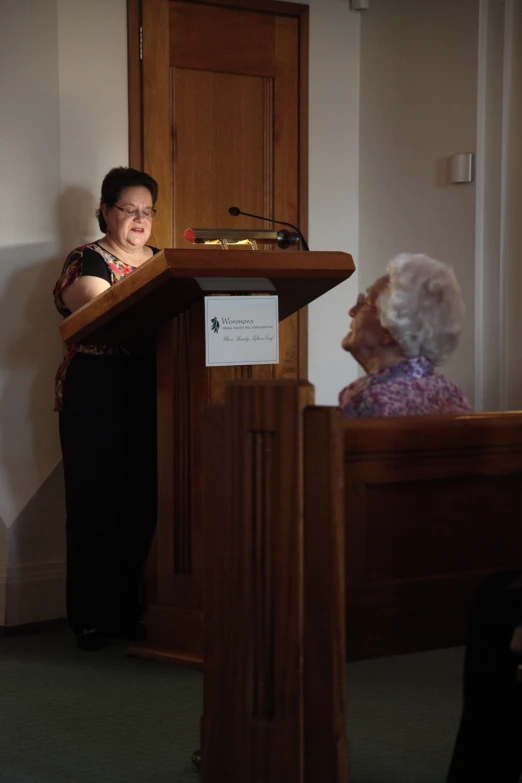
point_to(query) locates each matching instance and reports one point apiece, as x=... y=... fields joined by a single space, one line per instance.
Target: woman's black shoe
x=196 y=759
x=89 y=640
x=134 y=631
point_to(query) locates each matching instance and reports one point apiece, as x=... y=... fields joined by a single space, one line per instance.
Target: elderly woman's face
x=129 y=222
x=366 y=333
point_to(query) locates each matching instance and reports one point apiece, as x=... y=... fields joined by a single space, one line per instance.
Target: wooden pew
x=273 y=676
x=430 y=505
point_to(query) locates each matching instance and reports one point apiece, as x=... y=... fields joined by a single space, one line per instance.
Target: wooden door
x=218 y=116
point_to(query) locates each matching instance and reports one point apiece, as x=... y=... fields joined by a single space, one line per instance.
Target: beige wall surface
x=63 y=77
x=334 y=182
x=438 y=78
x=419 y=107
x=511 y=390
x=29 y=248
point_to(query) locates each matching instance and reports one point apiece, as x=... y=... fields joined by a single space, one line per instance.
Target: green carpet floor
x=71 y=717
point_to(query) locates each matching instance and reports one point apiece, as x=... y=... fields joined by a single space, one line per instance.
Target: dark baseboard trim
x=44 y=626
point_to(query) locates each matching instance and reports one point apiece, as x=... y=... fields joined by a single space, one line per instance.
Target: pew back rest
x=432 y=505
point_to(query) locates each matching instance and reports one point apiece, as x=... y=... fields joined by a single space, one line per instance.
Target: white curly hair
x=422 y=307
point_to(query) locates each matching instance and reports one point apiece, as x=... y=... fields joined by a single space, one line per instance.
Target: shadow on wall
x=31 y=482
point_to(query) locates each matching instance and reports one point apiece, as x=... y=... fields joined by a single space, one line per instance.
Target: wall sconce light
x=462 y=168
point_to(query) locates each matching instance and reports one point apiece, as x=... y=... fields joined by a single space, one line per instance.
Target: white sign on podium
x=241 y=330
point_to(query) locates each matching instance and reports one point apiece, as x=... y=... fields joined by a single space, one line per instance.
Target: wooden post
x=266 y=669
x=326 y=746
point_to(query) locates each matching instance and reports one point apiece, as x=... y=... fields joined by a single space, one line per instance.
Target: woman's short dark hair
x=116 y=181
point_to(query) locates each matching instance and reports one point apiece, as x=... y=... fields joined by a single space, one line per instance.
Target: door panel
x=221 y=149
x=222 y=39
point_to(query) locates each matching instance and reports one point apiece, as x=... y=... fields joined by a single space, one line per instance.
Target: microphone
x=235 y=211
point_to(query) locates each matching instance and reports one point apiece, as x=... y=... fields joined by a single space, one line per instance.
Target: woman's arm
x=82 y=290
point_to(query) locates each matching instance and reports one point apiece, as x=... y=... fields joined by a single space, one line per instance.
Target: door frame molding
x=135 y=96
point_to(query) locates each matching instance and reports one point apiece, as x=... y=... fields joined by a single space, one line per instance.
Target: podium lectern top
x=173 y=280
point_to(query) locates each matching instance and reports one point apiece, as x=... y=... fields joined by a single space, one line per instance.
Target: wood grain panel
x=179 y=524
x=398 y=618
x=219 y=149
x=411 y=538
x=269 y=154
x=423 y=434
x=253 y=684
x=304 y=76
x=218 y=552
x=326 y=748
x=268 y=6
x=199 y=397
x=432 y=508
x=166 y=382
x=274 y=677
x=182 y=474
x=165 y=286
x=304 y=110
x=243 y=45
x=134 y=84
x=286 y=165
x=286 y=118
x=177 y=636
x=157 y=147
x=355 y=501
x=209 y=118
x=259 y=468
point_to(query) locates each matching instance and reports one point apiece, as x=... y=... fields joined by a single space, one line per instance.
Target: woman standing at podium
x=106 y=398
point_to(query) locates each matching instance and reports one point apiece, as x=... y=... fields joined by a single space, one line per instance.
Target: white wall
x=63 y=77
x=489 y=204
x=439 y=78
x=334 y=183
x=29 y=238
x=29 y=244
x=418 y=107
x=29 y=139
x=93 y=106
x=510 y=304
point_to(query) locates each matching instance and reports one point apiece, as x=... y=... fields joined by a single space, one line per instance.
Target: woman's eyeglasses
x=148 y=212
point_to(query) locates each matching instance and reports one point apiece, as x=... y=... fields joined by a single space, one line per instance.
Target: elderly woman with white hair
x=408 y=323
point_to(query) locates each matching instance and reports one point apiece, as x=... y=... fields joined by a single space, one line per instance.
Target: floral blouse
x=91 y=259
x=411 y=388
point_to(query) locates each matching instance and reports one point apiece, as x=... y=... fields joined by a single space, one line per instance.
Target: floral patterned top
x=91 y=259
x=411 y=388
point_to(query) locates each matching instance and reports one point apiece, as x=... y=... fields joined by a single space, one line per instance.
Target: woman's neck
x=390 y=357
x=132 y=257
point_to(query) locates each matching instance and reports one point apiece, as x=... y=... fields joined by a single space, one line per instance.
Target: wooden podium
x=166 y=294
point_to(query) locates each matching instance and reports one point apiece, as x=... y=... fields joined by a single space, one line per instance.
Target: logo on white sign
x=241 y=330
